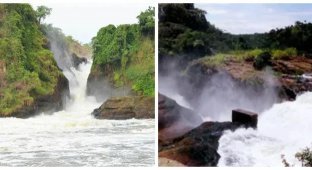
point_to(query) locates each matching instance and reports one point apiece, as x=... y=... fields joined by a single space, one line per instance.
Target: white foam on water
x=284 y=129
x=72 y=137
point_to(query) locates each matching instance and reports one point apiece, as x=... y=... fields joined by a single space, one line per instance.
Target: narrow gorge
x=58 y=129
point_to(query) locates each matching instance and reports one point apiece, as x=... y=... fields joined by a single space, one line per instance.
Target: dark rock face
x=119 y=108
x=78 y=60
x=48 y=103
x=173 y=119
x=193 y=145
x=246 y=118
x=99 y=81
x=197 y=147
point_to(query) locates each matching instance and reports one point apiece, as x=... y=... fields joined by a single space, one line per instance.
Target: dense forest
x=125 y=54
x=28 y=70
x=185 y=32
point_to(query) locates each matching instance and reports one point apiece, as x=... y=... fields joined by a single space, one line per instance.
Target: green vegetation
x=28 y=70
x=126 y=54
x=260 y=57
x=283 y=54
x=304 y=156
x=185 y=35
x=42 y=12
x=147 y=22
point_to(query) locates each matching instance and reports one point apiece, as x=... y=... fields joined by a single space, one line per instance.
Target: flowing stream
x=72 y=137
x=284 y=129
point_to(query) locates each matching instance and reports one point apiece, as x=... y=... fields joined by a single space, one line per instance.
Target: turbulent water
x=282 y=130
x=72 y=137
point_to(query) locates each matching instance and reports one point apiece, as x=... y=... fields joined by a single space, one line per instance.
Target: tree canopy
x=185 y=34
x=128 y=52
x=42 y=12
x=147 y=21
x=31 y=70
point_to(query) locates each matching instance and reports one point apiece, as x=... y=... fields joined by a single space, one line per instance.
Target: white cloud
x=215 y=11
x=83 y=20
x=254 y=18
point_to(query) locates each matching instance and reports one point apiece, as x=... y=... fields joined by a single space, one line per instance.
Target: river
x=284 y=129
x=72 y=137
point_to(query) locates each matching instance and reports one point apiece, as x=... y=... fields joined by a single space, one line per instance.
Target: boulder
x=245 y=118
x=199 y=146
x=127 y=107
x=182 y=142
x=173 y=119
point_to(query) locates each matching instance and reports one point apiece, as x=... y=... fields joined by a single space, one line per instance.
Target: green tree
x=42 y=12
x=147 y=21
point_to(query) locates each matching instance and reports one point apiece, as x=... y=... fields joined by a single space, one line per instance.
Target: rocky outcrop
x=197 y=145
x=292 y=74
x=100 y=81
x=173 y=119
x=139 y=107
x=286 y=75
x=47 y=103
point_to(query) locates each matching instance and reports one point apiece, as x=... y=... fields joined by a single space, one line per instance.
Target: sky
x=255 y=18
x=83 y=20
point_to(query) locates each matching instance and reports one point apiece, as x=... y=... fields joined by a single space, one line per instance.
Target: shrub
x=262 y=60
x=305 y=157
x=144 y=85
x=284 y=54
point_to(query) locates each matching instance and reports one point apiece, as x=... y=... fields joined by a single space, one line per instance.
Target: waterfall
x=73 y=137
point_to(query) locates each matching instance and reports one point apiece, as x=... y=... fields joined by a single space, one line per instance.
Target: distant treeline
x=185 y=32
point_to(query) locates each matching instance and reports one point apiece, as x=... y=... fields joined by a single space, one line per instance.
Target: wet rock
x=173 y=119
x=245 y=118
x=164 y=162
x=199 y=146
x=128 y=107
x=78 y=60
x=193 y=144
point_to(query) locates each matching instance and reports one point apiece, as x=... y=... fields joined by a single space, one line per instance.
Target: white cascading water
x=284 y=129
x=72 y=137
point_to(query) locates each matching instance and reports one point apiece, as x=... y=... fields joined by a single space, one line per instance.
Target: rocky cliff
x=128 y=107
x=186 y=139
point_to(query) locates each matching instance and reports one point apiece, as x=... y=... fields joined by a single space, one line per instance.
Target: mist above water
x=73 y=137
x=283 y=128
x=58 y=46
x=219 y=95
